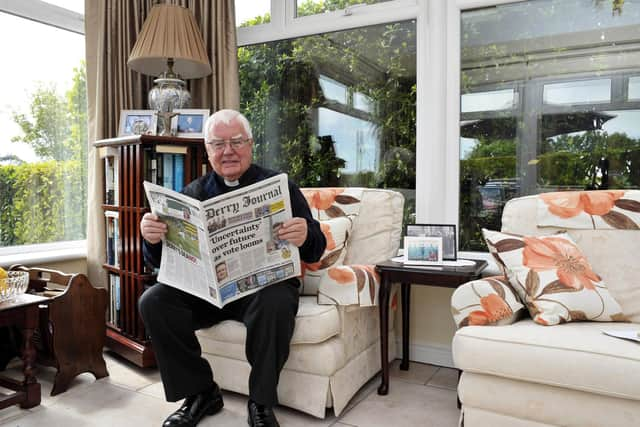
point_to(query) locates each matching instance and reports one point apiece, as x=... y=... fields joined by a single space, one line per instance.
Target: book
x=112 y=240
x=178 y=171
x=167 y=170
x=226 y=247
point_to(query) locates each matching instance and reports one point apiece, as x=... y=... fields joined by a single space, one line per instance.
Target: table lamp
x=171 y=47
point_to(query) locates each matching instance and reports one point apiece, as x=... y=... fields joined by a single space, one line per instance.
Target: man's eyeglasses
x=220 y=144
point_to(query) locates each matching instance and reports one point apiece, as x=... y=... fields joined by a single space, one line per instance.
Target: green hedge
x=42 y=202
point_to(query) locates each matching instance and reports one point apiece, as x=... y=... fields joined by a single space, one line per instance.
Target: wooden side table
x=22 y=311
x=392 y=272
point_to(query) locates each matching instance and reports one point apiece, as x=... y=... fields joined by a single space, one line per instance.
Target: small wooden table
x=22 y=311
x=392 y=272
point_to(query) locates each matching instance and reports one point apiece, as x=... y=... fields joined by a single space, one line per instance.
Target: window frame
x=284 y=24
x=65 y=20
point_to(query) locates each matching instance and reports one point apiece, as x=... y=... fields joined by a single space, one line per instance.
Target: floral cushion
x=488 y=301
x=336 y=231
x=553 y=278
x=610 y=209
x=328 y=203
x=350 y=284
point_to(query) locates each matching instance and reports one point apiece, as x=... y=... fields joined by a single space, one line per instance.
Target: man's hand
x=294 y=231
x=152 y=229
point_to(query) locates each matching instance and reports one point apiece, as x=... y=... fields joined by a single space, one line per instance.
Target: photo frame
x=422 y=250
x=446 y=231
x=137 y=122
x=189 y=123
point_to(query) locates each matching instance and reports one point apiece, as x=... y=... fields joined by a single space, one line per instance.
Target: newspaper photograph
x=226 y=247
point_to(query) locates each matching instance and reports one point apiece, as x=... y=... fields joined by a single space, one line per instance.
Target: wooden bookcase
x=137 y=159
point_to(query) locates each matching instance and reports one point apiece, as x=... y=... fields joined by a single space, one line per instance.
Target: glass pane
x=336 y=109
x=578 y=92
x=43 y=135
x=571 y=126
x=634 y=89
x=252 y=12
x=333 y=90
x=488 y=101
x=313 y=7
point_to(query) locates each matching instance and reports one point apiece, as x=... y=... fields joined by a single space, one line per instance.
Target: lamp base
x=168 y=94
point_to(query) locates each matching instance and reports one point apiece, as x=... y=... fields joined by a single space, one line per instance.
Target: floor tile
x=126 y=374
x=406 y=405
x=418 y=373
x=445 y=377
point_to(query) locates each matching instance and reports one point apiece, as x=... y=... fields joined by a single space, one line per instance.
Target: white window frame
x=284 y=24
x=64 y=19
x=452 y=108
x=45 y=13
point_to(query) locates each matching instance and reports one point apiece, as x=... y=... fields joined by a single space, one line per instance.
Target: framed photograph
x=189 y=123
x=446 y=231
x=422 y=250
x=137 y=122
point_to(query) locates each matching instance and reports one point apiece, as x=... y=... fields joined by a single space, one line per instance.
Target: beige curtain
x=111 y=27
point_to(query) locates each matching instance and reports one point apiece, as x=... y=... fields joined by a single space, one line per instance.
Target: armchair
x=335 y=347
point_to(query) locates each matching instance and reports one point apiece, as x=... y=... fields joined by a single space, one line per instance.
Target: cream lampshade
x=169 y=46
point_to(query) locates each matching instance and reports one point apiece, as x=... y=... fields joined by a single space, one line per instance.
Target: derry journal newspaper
x=226 y=247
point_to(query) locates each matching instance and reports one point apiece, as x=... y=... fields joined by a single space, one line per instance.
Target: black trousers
x=171 y=318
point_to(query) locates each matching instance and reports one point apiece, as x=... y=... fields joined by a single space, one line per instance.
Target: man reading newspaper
x=171 y=316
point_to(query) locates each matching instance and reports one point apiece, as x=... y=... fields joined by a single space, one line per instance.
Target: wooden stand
x=127 y=336
x=71 y=330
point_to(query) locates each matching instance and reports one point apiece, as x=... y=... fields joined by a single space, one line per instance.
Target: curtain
x=111 y=27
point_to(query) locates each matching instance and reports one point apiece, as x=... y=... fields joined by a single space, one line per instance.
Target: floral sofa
x=570 y=270
x=335 y=347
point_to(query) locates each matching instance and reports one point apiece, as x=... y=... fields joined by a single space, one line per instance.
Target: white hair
x=226 y=116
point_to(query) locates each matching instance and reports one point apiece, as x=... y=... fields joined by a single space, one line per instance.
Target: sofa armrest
x=487 y=301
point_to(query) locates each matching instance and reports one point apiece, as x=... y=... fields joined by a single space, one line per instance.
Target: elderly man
x=171 y=316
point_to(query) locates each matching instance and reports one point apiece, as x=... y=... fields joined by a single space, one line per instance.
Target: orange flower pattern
x=554 y=253
x=567 y=204
x=331 y=245
x=554 y=279
x=342 y=275
x=494 y=308
x=322 y=199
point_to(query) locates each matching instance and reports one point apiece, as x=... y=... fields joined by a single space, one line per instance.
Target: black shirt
x=212 y=185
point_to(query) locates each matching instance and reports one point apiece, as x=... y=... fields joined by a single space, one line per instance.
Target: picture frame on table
x=446 y=231
x=137 y=122
x=189 y=123
x=422 y=250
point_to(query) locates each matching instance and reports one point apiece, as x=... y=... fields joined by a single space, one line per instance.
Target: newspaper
x=226 y=247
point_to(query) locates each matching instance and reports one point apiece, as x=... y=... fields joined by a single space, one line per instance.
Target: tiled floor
x=423 y=396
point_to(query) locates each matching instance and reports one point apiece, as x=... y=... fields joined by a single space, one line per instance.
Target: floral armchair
x=570 y=271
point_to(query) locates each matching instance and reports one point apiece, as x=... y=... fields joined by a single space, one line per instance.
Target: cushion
x=336 y=231
x=489 y=301
x=553 y=278
x=350 y=284
x=314 y=324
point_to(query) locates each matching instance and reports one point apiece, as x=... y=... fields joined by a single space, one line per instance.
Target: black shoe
x=195 y=408
x=261 y=416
